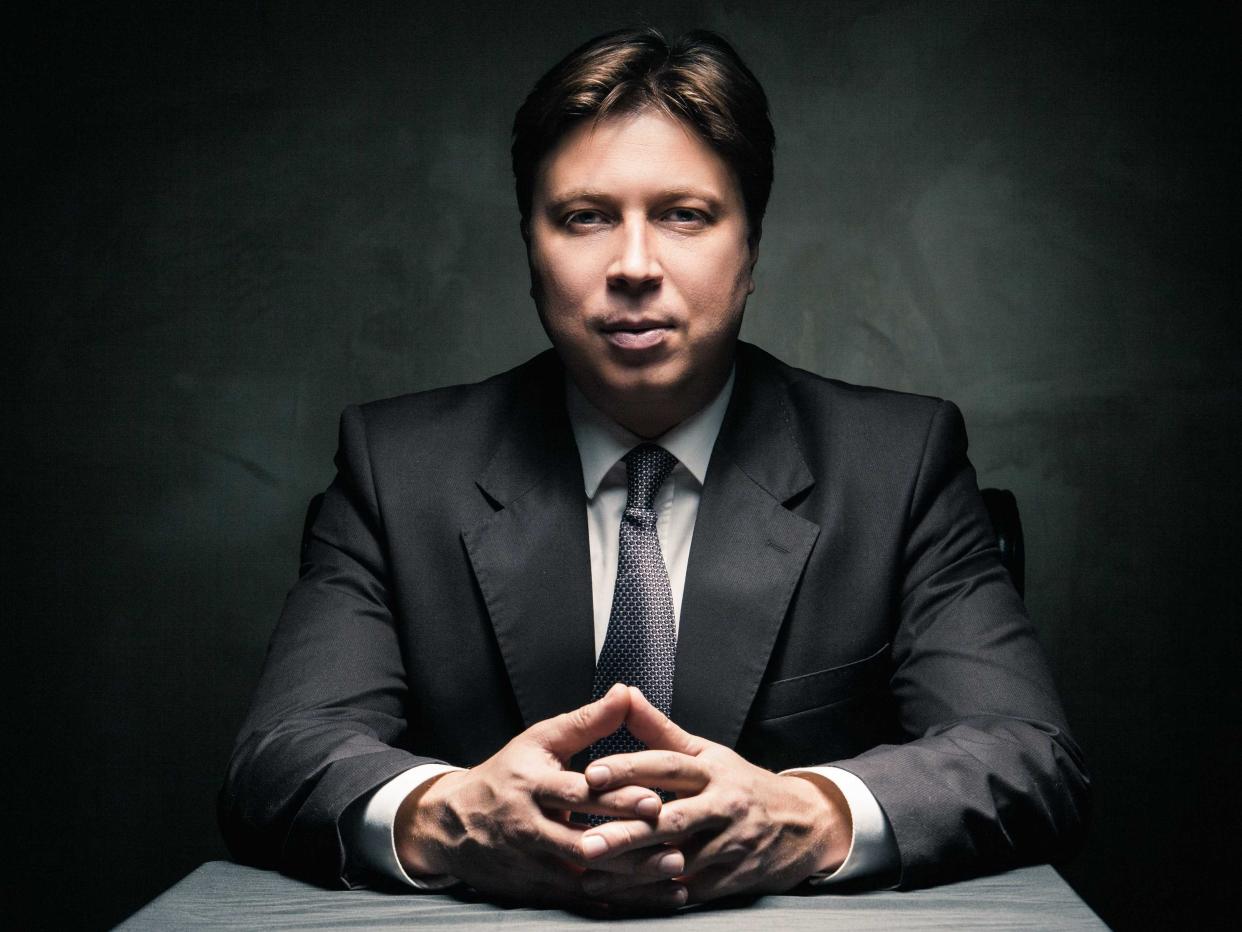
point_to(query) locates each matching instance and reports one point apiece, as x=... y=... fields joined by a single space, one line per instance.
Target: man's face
x=641 y=266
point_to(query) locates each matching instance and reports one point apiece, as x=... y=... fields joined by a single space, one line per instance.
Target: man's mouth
x=636 y=334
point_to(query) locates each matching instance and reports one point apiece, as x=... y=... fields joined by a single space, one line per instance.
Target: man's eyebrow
x=594 y=196
x=577 y=194
x=702 y=194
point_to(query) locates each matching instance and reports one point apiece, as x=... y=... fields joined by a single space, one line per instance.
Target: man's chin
x=644 y=384
x=647 y=403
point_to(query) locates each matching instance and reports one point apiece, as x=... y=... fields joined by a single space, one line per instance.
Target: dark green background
x=221 y=227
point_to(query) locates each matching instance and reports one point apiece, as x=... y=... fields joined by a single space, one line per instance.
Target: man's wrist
x=418 y=834
x=873 y=856
x=830 y=844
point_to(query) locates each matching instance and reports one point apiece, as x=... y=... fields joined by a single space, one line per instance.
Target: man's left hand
x=742 y=829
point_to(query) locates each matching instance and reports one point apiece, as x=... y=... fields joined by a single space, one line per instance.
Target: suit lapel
x=746 y=559
x=532 y=558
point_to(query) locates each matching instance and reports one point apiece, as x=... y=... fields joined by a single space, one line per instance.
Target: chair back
x=1003 y=510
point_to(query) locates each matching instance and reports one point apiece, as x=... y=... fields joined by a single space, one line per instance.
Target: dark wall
x=220 y=228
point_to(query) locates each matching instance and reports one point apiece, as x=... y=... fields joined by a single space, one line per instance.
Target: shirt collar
x=602 y=441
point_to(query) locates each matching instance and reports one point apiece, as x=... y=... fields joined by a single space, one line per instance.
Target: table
x=222 y=895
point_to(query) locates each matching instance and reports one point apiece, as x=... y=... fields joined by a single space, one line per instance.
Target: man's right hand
x=503 y=827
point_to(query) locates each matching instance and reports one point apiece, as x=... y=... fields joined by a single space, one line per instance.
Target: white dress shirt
x=367 y=828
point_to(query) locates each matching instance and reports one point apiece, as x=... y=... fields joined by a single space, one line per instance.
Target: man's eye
x=585 y=218
x=685 y=215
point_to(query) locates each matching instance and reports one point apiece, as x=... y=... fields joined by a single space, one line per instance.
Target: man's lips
x=636 y=334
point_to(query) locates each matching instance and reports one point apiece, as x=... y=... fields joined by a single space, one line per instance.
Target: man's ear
x=750 y=271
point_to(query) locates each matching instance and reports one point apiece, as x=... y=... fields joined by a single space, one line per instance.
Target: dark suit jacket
x=843 y=604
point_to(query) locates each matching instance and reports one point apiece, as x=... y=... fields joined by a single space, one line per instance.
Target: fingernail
x=672 y=864
x=598 y=774
x=679 y=896
x=593 y=846
x=648 y=807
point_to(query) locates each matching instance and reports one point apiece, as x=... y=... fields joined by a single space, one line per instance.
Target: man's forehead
x=647 y=152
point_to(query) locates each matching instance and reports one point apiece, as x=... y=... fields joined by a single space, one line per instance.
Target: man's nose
x=636 y=266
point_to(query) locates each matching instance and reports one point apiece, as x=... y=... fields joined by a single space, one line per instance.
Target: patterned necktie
x=641 y=644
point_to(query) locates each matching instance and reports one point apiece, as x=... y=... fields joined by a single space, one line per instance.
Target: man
x=801 y=633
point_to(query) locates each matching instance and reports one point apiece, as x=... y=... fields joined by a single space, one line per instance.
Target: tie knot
x=647 y=466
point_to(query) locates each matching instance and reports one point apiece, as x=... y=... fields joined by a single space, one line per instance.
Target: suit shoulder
x=454 y=408
x=876 y=437
x=817 y=396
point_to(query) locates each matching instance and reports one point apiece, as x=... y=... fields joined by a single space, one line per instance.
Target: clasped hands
x=504 y=826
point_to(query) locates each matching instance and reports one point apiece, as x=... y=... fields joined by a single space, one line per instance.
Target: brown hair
x=698 y=79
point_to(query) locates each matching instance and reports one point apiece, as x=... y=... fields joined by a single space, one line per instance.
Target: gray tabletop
x=221 y=895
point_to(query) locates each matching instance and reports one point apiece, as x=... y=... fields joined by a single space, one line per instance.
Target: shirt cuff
x=367 y=828
x=873 y=848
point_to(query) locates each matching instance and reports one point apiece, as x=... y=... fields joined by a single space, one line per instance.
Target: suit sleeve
x=990 y=777
x=327 y=721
